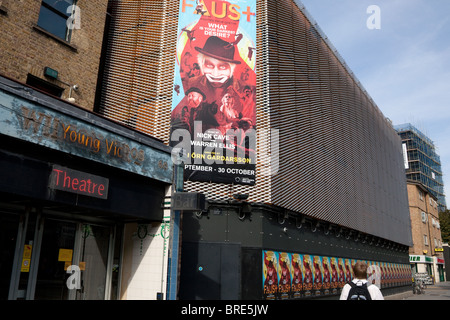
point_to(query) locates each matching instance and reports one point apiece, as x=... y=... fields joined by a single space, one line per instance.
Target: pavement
x=438 y=291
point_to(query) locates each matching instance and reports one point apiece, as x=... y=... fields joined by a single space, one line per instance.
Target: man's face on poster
x=194 y=99
x=217 y=71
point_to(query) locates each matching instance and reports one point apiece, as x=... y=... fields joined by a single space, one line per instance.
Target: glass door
x=93 y=261
x=48 y=258
x=56 y=255
x=73 y=261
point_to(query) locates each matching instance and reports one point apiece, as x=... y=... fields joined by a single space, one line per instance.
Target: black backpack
x=358 y=292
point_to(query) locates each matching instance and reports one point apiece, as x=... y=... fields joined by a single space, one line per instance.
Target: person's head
x=360 y=270
x=195 y=97
x=228 y=100
x=216 y=60
x=195 y=69
x=215 y=70
x=247 y=91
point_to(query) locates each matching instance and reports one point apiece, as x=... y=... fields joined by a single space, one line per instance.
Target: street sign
x=188 y=201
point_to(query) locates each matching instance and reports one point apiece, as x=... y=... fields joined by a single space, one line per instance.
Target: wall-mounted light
x=282 y=218
x=300 y=222
x=75 y=88
x=315 y=226
x=244 y=210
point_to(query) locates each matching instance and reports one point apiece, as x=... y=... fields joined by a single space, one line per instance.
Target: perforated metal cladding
x=139 y=65
x=339 y=159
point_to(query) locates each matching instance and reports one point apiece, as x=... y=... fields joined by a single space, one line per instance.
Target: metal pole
x=174 y=240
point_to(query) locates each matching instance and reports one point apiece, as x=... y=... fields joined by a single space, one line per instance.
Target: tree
x=444 y=222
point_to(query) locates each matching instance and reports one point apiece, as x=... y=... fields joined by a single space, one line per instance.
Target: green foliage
x=444 y=221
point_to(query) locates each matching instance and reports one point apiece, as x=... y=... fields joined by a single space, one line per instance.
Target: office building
x=422 y=162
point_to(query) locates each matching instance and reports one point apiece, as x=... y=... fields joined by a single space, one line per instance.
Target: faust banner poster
x=213 y=119
x=289 y=275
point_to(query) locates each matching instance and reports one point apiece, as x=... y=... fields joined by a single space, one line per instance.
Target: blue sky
x=404 y=65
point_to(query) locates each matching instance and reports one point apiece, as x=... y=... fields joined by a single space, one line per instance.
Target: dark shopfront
x=69 y=182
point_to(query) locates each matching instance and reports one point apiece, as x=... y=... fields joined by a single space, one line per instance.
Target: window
x=421 y=195
x=424 y=217
x=44 y=86
x=425 y=239
x=53 y=17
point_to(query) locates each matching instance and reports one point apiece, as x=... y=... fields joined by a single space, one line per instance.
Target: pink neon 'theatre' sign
x=74 y=181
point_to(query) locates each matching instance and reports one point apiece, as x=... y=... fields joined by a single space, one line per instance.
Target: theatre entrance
x=58 y=258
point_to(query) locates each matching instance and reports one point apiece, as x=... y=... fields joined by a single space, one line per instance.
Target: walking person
x=358 y=288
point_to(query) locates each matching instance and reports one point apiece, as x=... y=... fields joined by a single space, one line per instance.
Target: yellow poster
x=65 y=255
x=25 y=265
x=26 y=258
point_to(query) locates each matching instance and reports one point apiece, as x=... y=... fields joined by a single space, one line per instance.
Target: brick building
x=35 y=36
x=426 y=254
x=81 y=197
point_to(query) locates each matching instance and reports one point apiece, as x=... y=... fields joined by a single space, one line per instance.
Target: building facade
x=39 y=49
x=81 y=197
x=422 y=163
x=329 y=186
x=426 y=254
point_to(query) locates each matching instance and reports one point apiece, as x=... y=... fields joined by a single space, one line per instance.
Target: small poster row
x=293 y=275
